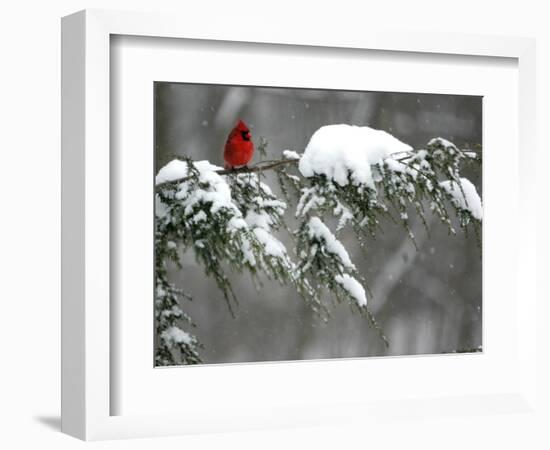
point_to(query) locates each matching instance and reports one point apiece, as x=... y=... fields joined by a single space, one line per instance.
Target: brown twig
x=261 y=166
x=266 y=165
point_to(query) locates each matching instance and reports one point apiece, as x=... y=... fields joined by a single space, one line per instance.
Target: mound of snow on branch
x=353 y=287
x=260 y=223
x=337 y=151
x=466 y=198
x=318 y=230
x=176 y=335
x=290 y=154
x=177 y=169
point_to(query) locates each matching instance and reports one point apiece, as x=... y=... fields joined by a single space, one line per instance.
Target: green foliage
x=168 y=314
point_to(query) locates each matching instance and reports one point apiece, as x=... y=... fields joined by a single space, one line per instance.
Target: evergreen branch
x=260 y=167
x=230 y=224
x=268 y=165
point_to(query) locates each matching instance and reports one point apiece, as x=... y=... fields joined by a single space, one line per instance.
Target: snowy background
x=427 y=301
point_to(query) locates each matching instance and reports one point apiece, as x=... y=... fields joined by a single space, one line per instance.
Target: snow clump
x=353 y=287
x=346 y=152
x=464 y=196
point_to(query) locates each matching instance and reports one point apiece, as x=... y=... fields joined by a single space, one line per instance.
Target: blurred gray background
x=426 y=301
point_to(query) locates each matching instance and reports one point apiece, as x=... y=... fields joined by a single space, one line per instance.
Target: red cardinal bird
x=239 y=147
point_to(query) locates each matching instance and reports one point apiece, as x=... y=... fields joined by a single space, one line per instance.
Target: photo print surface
x=300 y=224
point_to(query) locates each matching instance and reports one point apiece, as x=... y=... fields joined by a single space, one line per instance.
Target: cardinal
x=239 y=147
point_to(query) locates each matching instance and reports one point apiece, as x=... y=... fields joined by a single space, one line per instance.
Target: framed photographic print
x=279 y=219
x=291 y=232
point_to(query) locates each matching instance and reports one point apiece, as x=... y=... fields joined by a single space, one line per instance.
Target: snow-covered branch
x=259 y=167
x=230 y=219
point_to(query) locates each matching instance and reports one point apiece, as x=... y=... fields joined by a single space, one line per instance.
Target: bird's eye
x=245 y=134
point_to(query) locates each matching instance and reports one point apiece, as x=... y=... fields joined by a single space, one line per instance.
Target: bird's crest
x=241 y=126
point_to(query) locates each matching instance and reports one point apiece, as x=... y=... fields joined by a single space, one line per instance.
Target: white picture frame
x=87 y=383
